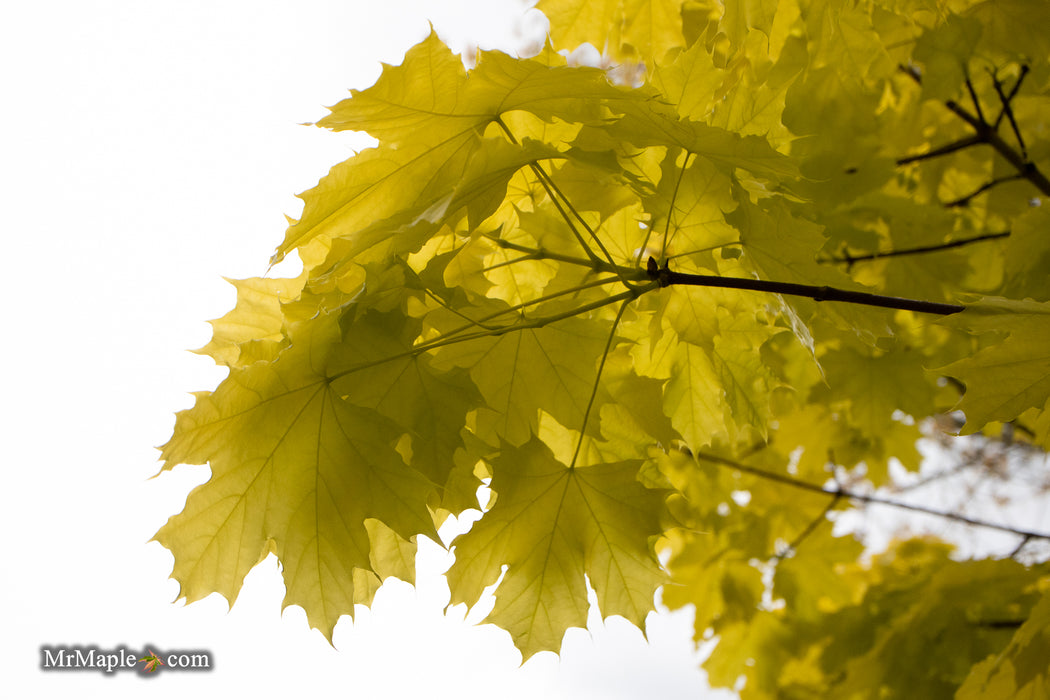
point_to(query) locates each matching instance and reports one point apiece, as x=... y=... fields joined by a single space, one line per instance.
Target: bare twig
x=849 y=258
x=976 y=102
x=963 y=201
x=810 y=528
x=865 y=498
x=1009 y=98
x=943 y=150
x=985 y=133
x=1008 y=109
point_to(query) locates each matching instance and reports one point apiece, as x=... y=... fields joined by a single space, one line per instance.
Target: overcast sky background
x=148 y=149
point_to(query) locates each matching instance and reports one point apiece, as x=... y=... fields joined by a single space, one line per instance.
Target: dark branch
x=1000 y=624
x=1009 y=98
x=986 y=133
x=963 y=201
x=810 y=528
x=850 y=259
x=666 y=278
x=1020 y=547
x=1008 y=109
x=976 y=102
x=865 y=498
x=943 y=150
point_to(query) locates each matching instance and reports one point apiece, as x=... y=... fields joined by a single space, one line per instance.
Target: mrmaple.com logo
x=123 y=659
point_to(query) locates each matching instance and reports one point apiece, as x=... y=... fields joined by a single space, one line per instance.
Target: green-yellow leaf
x=639 y=30
x=1021 y=670
x=297 y=469
x=1007 y=378
x=561 y=357
x=551 y=526
x=256 y=320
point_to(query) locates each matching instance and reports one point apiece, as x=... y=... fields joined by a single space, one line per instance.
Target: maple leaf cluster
x=621 y=307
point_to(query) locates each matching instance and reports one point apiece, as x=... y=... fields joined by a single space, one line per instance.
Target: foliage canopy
x=801 y=230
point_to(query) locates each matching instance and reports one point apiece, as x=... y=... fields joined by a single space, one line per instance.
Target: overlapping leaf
x=552 y=525
x=430 y=116
x=635 y=29
x=1012 y=375
x=561 y=357
x=295 y=469
x=1020 y=670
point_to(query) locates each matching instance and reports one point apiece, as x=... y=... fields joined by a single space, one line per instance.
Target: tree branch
x=963 y=201
x=1008 y=110
x=1000 y=624
x=943 y=150
x=976 y=102
x=666 y=278
x=850 y=259
x=988 y=134
x=840 y=492
x=810 y=528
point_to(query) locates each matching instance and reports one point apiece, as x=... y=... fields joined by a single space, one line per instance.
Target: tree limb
x=666 y=278
x=840 y=492
x=849 y=259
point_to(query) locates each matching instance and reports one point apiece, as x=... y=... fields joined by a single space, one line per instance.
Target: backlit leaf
x=551 y=526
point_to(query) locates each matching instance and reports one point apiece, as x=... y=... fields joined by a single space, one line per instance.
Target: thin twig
x=1009 y=112
x=953 y=471
x=986 y=133
x=943 y=150
x=1017 y=550
x=1000 y=624
x=551 y=188
x=1009 y=98
x=865 y=498
x=810 y=528
x=963 y=201
x=976 y=102
x=849 y=258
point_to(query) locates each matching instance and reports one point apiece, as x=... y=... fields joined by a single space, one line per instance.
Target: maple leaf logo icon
x=152 y=661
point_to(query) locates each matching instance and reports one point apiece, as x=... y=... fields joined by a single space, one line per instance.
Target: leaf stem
x=558 y=197
x=1000 y=624
x=538 y=172
x=480 y=323
x=493 y=332
x=597 y=380
x=670 y=207
x=976 y=102
x=598 y=264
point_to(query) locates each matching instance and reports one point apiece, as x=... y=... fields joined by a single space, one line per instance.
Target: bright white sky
x=149 y=148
